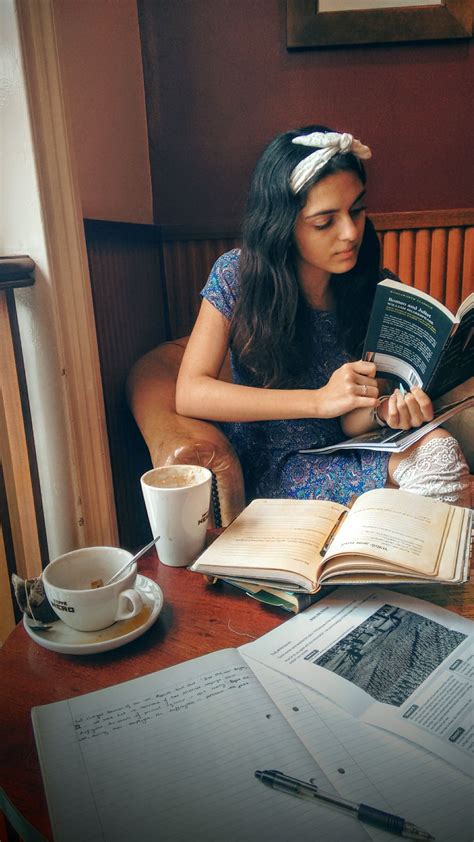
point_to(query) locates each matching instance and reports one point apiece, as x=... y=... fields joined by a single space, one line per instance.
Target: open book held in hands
x=416 y=341
x=388 y=536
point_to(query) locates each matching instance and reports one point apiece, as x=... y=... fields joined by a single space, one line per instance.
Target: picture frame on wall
x=312 y=24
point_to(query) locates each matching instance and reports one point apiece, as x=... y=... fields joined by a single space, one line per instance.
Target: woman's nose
x=347 y=228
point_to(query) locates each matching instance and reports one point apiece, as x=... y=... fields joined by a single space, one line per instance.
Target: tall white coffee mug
x=68 y=584
x=177 y=500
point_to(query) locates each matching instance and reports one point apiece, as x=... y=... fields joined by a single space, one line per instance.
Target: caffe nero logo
x=62 y=606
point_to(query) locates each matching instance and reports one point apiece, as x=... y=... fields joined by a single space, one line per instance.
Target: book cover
x=416 y=341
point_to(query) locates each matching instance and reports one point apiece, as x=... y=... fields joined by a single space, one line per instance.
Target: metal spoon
x=132 y=560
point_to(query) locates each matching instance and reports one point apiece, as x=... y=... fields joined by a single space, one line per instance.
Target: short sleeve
x=223 y=283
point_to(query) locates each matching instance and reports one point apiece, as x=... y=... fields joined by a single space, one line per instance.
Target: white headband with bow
x=329 y=144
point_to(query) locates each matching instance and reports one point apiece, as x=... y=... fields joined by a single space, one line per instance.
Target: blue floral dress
x=266 y=449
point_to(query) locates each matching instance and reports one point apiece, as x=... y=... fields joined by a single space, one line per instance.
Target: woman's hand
x=352 y=386
x=405 y=411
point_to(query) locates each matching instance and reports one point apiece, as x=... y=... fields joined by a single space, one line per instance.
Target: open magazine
x=396 y=441
x=399 y=663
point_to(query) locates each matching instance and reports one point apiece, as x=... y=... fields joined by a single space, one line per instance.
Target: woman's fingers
x=392 y=416
x=410 y=410
x=368 y=389
x=363 y=375
x=363 y=367
x=424 y=403
x=415 y=414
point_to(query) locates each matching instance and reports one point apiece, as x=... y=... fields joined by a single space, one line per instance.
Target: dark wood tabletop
x=197 y=618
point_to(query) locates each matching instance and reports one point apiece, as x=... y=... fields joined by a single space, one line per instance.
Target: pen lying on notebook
x=302 y=789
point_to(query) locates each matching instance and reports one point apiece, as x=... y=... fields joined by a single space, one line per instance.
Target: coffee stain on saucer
x=123 y=627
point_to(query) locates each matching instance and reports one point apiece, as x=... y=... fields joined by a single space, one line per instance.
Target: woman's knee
x=397 y=458
x=434 y=467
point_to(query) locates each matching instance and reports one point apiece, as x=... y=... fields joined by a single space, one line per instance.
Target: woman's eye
x=323 y=225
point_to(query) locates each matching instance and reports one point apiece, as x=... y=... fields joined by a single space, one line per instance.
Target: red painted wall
x=100 y=54
x=224 y=84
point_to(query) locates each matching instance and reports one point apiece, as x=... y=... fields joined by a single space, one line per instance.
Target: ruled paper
x=172 y=756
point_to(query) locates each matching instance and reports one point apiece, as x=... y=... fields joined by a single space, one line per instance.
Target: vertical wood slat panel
x=187 y=266
x=422 y=260
x=454 y=268
x=467 y=285
x=131 y=318
x=390 y=251
x=406 y=256
x=439 y=259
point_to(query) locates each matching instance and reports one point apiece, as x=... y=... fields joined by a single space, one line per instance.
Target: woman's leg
x=434 y=467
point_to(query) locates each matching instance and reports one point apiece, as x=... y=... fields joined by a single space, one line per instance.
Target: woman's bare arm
x=200 y=394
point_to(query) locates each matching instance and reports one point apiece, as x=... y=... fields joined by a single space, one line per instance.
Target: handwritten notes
x=177 y=751
x=139 y=711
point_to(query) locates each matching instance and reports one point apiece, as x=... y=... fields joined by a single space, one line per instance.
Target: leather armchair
x=173 y=439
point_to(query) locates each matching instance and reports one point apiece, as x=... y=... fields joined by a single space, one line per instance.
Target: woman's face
x=330 y=227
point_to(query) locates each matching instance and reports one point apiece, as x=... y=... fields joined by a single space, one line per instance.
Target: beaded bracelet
x=375 y=414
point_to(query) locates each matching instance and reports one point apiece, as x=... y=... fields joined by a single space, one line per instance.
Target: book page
x=454 y=560
x=274 y=539
x=172 y=756
x=390 y=660
x=407 y=531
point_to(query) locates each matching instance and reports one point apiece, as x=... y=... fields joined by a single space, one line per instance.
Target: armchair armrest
x=174 y=439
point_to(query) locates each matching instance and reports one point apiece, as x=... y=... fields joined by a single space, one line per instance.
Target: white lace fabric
x=437 y=469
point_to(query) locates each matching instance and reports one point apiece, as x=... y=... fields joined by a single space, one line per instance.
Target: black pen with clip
x=379 y=818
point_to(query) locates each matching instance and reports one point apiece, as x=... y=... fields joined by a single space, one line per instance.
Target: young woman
x=293 y=305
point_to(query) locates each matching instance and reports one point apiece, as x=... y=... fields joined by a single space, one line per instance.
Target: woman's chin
x=345 y=261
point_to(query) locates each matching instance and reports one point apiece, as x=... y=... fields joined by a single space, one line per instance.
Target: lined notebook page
x=172 y=756
x=375 y=767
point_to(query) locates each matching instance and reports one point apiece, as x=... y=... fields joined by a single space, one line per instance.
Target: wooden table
x=196 y=619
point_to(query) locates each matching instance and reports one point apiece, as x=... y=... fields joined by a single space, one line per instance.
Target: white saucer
x=61 y=638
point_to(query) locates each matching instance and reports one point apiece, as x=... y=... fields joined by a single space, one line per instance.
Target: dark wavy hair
x=269 y=331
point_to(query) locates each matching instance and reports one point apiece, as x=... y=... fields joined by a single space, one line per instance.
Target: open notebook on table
x=175 y=753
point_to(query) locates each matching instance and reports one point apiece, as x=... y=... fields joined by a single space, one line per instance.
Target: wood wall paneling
x=187 y=264
x=146 y=283
x=131 y=314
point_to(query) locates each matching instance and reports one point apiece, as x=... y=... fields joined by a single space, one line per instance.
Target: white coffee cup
x=68 y=585
x=177 y=500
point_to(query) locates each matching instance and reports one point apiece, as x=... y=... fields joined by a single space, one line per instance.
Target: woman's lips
x=347 y=253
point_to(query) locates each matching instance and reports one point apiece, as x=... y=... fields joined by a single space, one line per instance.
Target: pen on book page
x=336 y=526
x=370 y=815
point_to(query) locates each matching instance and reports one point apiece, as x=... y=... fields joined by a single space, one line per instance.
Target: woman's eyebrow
x=335 y=210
